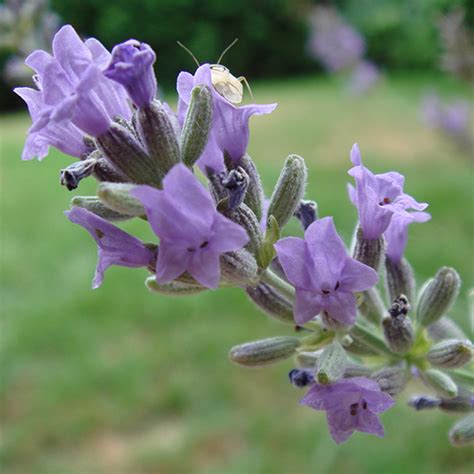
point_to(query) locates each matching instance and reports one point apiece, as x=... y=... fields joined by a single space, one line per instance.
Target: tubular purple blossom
x=192 y=233
x=350 y=404
x=378 y=197
x=132 y=66
x=115 y=246
x=230 y=124
x=73 y=96
x=324 y=275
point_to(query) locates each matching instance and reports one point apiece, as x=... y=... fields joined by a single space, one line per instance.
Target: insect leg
x=247 y=85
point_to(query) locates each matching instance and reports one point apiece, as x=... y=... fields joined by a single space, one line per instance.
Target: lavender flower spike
x=350 y=404
x=396 y=234
x=378 y=197
x=324 y=275
x=192 y=233
x=115 y=246
x=230 y=124
x=132 y=66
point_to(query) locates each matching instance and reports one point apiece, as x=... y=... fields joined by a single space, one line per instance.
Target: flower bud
x=369 y=251
x=236 y=184
x=216 y=188
x=392 y=380
x=76 y=172
x=94 y=205
x=272 y=303
x=116 y=196
x=266 y=252
x=301 y=377
x=365 y=337
x=289 y=190
x=437 y=296
x=197 y=125
x=245 y=217
x=239 y=268
x=440 y=382
x=126 y=154
x=397 y=327
x=254 y=195
x=331 y=364
x=359 y=348
x=173 y=288
x=306 y=359
x=356 y=370
x=424 y=403
x=371 y=305
x=450 y=353
x=156 y=131
x=104 y=171
x=306 y=213
x=445 y=328
x=462 y=432
x=461 y=404
x=265 y=351
x=399 y=279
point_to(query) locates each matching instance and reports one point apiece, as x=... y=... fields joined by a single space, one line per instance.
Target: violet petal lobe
x=115 y=247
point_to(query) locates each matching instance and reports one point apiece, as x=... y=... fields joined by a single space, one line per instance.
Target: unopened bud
x=399 y=279
x=461 y=404
x=156 y=131
x=440 y=382
x=397 y=327
x=301 y=377
x=445 y=328
x=272 y=303
x=371 y=305
x=392 y=379
x=94 y=205
x=359 y=348
x=369 y=251
x=245 y=217
x=462 y=433
x=125 y=152
x=239 y=268
x=289 y=190
x=305 y=359
x=450 y=353
x=76 y=172
x=216 y=188
x=173 y=288
x=331 y=364
x=265 y=351
x=424 y=403
x=196 y=125
x=306 y=213
x=117 y=196
x=437 y=296
x=104 y=171
x=236 y=183
x=254 y=195
x=366 y=337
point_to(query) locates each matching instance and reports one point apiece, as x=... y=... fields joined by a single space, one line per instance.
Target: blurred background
x=123 y=381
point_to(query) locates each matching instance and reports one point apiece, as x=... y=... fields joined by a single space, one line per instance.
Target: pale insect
x=226 y=84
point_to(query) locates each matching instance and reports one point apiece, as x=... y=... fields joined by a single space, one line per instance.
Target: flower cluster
x=357 y=351
x=340 y=48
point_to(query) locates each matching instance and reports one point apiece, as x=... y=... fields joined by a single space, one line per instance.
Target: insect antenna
x=189 y=51
x=227 y=49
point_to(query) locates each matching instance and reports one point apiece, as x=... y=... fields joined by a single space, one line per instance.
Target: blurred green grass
x=120 y=380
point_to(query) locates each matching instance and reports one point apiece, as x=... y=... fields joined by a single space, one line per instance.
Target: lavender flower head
x=132 y=66
x=324 y=275
x=115 y=246
x=378 y=197
x=333 y=42
x=73 y=93
x=364 y=76
x=350 y=405
x=192 y=233
x=230 y=124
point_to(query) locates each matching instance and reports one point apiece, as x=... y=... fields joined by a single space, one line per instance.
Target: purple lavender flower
x=230 y=124
x=115 y=246
x=192 y=233
x=396 y=234
x=378 y=197
x=350 y=404
x=452 y=118
x=324 y=275
x=364 y=76
x=132 y=66
x=333 y=42
x=73 y=90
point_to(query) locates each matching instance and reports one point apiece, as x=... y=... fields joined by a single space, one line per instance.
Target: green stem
x=364 y=335
x=279 y=284
x=462 y=376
